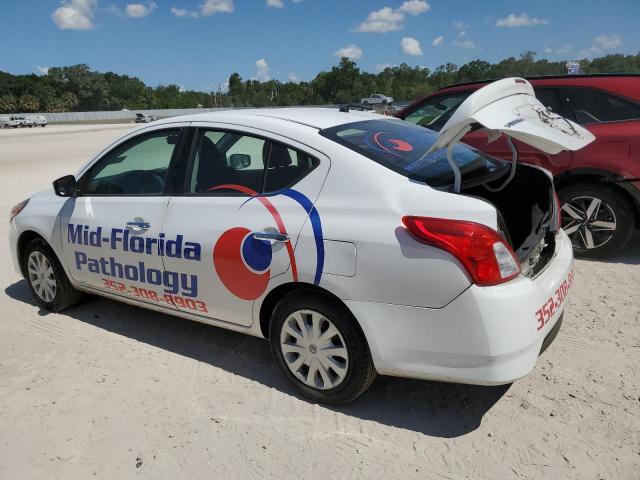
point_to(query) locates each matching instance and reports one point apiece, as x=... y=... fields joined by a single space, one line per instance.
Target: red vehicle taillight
x=481 y=250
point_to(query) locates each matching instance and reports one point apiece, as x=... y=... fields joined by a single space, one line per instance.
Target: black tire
x=614 y=208
x=360 y=371
x=65 y=294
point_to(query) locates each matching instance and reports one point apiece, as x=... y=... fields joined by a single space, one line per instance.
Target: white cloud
x=262 y=74
x=42 y=70
x=464 y=44
x=558 y=51
x=352 y=52
x=607 y=42
x=75 y=14
x=436 y=42
x=602 y=43
x=183 y=12
x=206 y=9
x=139 y=10
x=275 y=3
x=381 y=67
x=411 y=46
x=381 y=21
x=414 y=7
x=388 y=19
x=458 y=25
x=522 y=20
x=292 y=77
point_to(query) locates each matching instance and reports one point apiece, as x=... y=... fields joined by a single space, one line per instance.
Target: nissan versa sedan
x=356 y=243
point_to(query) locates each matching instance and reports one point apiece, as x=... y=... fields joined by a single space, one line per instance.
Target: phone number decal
x=167 y=298
x=551 y=306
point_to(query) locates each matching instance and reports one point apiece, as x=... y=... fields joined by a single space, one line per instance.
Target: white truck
x=376 y=98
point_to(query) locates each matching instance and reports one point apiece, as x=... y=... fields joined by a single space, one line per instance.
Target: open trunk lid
x=510 y=107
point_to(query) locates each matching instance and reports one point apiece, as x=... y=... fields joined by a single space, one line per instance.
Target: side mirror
x=66 y=186
x=238 y=161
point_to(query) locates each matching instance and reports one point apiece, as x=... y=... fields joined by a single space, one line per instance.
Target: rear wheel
x=46 y=278
x=319 y=346
x=598 y=220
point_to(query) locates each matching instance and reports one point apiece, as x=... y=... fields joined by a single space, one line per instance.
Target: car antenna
x=345 y=108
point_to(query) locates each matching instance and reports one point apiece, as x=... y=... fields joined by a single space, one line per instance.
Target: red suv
x=598 y=186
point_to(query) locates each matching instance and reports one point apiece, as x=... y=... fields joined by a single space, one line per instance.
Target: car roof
x=318 y=117
x=562 y=78
x=617 y=83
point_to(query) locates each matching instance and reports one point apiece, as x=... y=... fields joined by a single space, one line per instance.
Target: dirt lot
x=111 y=391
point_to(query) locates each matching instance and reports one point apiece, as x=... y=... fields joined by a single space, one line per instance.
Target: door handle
x=138 y=226
x=274 y=237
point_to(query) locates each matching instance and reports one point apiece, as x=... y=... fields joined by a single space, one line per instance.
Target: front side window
x=588 y=105
x=402 y=147
x=137 y=167
x=435 y=112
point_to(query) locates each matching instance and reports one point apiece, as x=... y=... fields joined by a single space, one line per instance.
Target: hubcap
x=41 y=276
x=589 y=222
x=314 y=350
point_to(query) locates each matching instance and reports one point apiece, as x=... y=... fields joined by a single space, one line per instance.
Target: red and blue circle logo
x=243 y=262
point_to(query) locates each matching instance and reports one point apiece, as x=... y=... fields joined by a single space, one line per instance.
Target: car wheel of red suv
x=597 y=219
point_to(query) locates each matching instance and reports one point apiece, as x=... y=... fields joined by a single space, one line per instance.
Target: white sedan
x=356 y=243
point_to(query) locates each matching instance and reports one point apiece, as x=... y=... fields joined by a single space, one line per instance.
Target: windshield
x=401 y=147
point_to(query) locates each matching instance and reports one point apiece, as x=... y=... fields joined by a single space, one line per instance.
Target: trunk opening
x=525 y=209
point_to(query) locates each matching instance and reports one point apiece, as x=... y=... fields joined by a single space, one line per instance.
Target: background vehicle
x=599 y=186
x=11 y=122
x=39 y=121
x=26 y=122
x=376 y=98
x=142 y=118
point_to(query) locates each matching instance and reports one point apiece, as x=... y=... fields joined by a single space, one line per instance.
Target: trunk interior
x=525 y=213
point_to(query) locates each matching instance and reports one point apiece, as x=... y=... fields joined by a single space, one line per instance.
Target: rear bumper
x=488 y=335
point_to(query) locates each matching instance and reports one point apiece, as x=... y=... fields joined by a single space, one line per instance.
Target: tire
x=609 y=228
x=366 y=103
x=63 y=295
x=344 y=378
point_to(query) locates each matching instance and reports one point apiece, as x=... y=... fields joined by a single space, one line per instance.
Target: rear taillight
x=481 y=250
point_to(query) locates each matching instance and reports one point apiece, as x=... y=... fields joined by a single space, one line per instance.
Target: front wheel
x=318 y=344
x=47 y=279
x=598 y=220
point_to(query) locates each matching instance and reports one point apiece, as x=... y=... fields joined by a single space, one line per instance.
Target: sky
x=197 y=44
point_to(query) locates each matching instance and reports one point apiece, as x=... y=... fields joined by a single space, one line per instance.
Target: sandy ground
x=111 y=391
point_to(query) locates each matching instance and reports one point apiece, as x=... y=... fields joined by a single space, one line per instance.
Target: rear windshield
x=401 y=147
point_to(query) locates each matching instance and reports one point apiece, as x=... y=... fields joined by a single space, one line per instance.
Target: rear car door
x=111 y=232
x=246 y=197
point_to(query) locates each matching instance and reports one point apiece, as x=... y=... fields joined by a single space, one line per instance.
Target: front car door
x=246 y=197
x=111 y=233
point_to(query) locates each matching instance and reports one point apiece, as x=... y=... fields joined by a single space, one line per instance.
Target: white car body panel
x=509 y=106
x=415 y=303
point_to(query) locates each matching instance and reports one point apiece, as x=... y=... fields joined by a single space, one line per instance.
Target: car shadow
x=432 y=408
x=630 y=255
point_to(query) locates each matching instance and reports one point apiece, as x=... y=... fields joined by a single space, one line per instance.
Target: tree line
x=78 y=88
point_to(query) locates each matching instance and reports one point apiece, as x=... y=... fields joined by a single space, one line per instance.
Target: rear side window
x=435 y=112
x=588 y=105
x=226 y=158
x=286 y=167
x=222 y=158
x=402 y=147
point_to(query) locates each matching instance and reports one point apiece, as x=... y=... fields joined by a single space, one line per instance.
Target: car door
x=111 y=232
x=246 y=197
